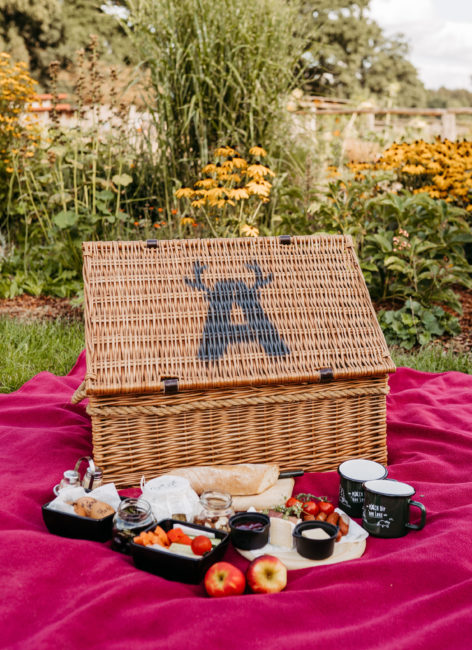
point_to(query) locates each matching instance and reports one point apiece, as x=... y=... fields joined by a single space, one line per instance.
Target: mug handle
x=423 y=515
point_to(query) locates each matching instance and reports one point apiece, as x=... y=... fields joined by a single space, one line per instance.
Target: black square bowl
x=178 y=567
x=77 y=527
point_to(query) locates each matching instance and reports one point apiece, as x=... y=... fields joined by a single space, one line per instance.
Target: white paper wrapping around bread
x=171 y=495
x=274 y=496
x=106 y=493
x=237 y=480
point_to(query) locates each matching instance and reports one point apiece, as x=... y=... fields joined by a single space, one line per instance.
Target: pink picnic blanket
x=413 y=592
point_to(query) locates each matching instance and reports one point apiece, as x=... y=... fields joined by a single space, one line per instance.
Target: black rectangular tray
x=178 y=567
x=74 y=526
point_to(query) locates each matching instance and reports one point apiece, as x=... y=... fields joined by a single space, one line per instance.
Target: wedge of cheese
x=280 y=533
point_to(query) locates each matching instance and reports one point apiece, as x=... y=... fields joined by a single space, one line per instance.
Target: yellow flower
x=259 y=170
x=198 y=203
x=239 y=163
x=225 y=151
x=216 y=193
x=206 y=183
x=209 y=169
x=220 y=203
x=184 y=192
x=238 y=193
x=230 y=178
x=10 y=170
x=187 y=220
x=257 y=151
x=248 y=231
x=258 y=188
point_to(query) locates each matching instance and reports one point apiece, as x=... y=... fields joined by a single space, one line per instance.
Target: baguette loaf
x=236 y=480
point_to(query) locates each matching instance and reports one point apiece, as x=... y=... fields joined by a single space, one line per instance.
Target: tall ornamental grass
x=219 y=73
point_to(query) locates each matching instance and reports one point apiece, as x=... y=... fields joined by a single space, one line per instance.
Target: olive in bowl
x=249 y=530
x=315 y=539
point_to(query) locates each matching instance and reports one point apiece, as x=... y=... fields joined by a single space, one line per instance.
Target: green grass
x=433 y=358
x=28 y=347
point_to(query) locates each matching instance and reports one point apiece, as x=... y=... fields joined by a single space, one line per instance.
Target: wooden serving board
x=342 y=553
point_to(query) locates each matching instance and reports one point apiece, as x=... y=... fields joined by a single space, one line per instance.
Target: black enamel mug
x=352 y=474
x=386 y=510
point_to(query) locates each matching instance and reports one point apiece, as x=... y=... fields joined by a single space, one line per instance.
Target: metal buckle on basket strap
x=171 y=385
x=326 y=375
x=285 y=239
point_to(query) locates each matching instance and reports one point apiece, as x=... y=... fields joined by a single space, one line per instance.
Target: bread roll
x=236 y=480
x=99 y=510
x=83 y=506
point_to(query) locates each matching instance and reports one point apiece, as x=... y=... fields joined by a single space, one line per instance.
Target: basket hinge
x=326 y=375
x=171 y=386
x=285 y=239
x=151 y=243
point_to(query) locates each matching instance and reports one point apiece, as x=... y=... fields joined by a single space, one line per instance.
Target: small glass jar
x=71 y=479
x=217 y=508
x=132 y=517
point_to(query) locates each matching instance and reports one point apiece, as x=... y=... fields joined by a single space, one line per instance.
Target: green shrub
x=409 y=246
x=414 y=324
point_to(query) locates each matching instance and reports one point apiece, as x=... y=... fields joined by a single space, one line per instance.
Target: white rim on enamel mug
x=390 y=488
x=361 y=470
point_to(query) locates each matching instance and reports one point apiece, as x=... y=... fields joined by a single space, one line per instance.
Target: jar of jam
x=132 y=517
x=216 y=509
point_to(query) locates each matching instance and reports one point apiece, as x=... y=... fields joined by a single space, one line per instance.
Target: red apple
x=224 y=579
x=266 y=575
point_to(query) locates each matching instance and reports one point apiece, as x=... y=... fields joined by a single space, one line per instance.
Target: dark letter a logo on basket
x=220 y=331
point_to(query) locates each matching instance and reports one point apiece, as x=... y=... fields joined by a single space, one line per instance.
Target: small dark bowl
x=248 y=540
x=76 y=527
x=178 y=567
x=315 y=549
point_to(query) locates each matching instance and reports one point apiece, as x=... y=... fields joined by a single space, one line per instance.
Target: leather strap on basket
x=332 y=393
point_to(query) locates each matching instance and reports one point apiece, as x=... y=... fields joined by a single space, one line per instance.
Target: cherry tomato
x=326 y=507
x=311 y=508
x=292 y=502
x=201 y=545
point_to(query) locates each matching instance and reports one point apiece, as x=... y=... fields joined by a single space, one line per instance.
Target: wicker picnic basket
x=231 y=350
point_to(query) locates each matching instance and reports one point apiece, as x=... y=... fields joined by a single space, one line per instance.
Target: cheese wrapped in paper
x=237 y=480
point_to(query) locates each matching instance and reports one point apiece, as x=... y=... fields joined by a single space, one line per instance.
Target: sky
x=439 y=33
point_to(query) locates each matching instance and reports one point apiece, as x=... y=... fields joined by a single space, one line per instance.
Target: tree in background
x=448 y=98
x=350 y=57
x=31 y=31
x=81 y=19
x=40 y=31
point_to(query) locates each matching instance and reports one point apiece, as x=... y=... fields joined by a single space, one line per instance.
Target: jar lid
x=71 y=475
x=216 y=500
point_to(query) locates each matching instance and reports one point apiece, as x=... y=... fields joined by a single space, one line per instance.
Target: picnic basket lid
x=207 y=313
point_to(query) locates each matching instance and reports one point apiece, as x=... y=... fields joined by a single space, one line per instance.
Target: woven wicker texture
x=312 y=427
x=227 y=313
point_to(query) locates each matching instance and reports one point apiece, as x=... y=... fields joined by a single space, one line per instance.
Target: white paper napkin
x=106 y=493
